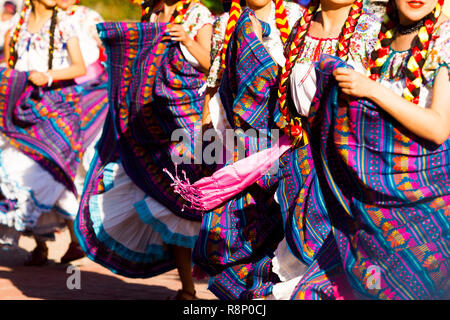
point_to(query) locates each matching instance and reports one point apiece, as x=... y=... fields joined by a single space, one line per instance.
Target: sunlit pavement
x=57 y=281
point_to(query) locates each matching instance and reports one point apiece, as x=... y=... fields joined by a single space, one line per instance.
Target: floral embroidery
x=362 y=42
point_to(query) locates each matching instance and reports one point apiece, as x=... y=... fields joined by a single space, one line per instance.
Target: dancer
x=94 y=102
x=130 y=221
x=6 y=20
x=40 y=133
x=270 y=12
x=215 y=252
x=390 y=140
x=307 y=225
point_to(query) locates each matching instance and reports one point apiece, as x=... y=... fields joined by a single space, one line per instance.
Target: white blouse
x=273 y=41
x=85 y=20
x=393 y=74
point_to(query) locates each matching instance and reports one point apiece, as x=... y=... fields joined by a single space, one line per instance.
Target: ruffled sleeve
x=14 y=21
x=438 y=53
x=196 y=18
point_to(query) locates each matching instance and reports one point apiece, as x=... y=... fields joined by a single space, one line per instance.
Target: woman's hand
x=38 y=78
x=353 y=83
x=177 y=33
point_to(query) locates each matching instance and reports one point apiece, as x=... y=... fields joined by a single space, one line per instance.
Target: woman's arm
x=430 y=123
x=76 y=69
x=200 y=48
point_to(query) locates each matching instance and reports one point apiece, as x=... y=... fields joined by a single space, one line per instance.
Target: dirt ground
x=18 y=282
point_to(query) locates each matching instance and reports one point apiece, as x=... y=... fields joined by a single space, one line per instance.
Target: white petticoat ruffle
x=136 y=221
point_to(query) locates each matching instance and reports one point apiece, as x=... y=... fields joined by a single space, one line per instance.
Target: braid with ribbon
x=235 y=12
x=349 y=29
x=177 y=17
x=291 y=124
x=419 y=51
x=15 y=36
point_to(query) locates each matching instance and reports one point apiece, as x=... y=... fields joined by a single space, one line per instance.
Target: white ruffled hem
x=136 y=221
x=173 y=229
